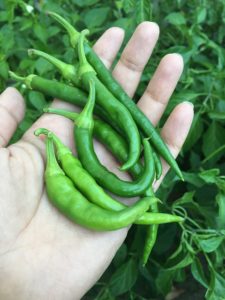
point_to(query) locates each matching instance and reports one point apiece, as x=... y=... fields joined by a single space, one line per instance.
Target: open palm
x=42 y=254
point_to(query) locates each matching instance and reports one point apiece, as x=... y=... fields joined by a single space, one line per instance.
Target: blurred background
x=187 y=261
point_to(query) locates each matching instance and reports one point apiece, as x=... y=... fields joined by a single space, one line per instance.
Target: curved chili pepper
x=150 y=238
x=76 y=207
x=158 y=165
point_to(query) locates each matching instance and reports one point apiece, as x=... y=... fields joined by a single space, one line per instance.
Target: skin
x=42 y=254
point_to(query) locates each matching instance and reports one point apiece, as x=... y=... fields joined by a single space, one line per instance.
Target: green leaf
x=163 y=244
x=210 y=176
x=220 y=199
x=104 y=294
x=180 y=275
x=145 y=273
x=3 y=16
x=216 y=289
x=26 y=24
x=124 y=278
x=176 y=18
x=220 y=106
x=218 y=116
x=219 y=256
x=53 y=30
x=186 y=198
x=195 y=132
x=142 y=11
x=7 y=41
x=213 y=139
x=84 y=3
x=210 y=244
x=179 y=259
x=4 y=68
x=221 y=184
x=201 y=15
x=122 y=23
x=164 y=281
x=54 y=6
x=43 y=66
x=96 y=17
x=26 y=64
x=198 y=272
x=41 y=32
x=193 y=178
x=181 y=97
x=120 y=256
x=129 y=5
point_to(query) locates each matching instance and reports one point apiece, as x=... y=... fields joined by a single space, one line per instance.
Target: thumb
x=12 y=109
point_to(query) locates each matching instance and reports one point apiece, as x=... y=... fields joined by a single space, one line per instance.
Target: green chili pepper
x=90 y=189
x=150 y=238
x=140 y=118
x=61 y=91
x=117 y=111
x=113 y=86
x=53 y=88
x=87 y=73
x=158 y=165
x=84 y=144
x=76 y=207
x=151 y=231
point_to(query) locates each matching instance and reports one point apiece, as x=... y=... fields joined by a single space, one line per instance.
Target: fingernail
x=189 y=103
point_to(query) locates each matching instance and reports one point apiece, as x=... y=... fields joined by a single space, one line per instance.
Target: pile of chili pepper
x=77 y=186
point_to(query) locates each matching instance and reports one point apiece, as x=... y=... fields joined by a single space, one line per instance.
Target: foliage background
x=187 y=262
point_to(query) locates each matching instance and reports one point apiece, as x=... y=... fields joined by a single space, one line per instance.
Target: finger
x=108 y=45
x=12 y=108
x=175 y=131
x=160 y=88
x=135 y=56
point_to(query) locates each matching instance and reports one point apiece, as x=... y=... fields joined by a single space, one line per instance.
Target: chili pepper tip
x=85 y=32
x=15 y=76
x=180 y=219
x=48 y=12
x=31 y=52
x=44 y=131
x=37 y=132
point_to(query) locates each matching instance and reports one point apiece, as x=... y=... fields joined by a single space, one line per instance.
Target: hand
x=42 y=254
